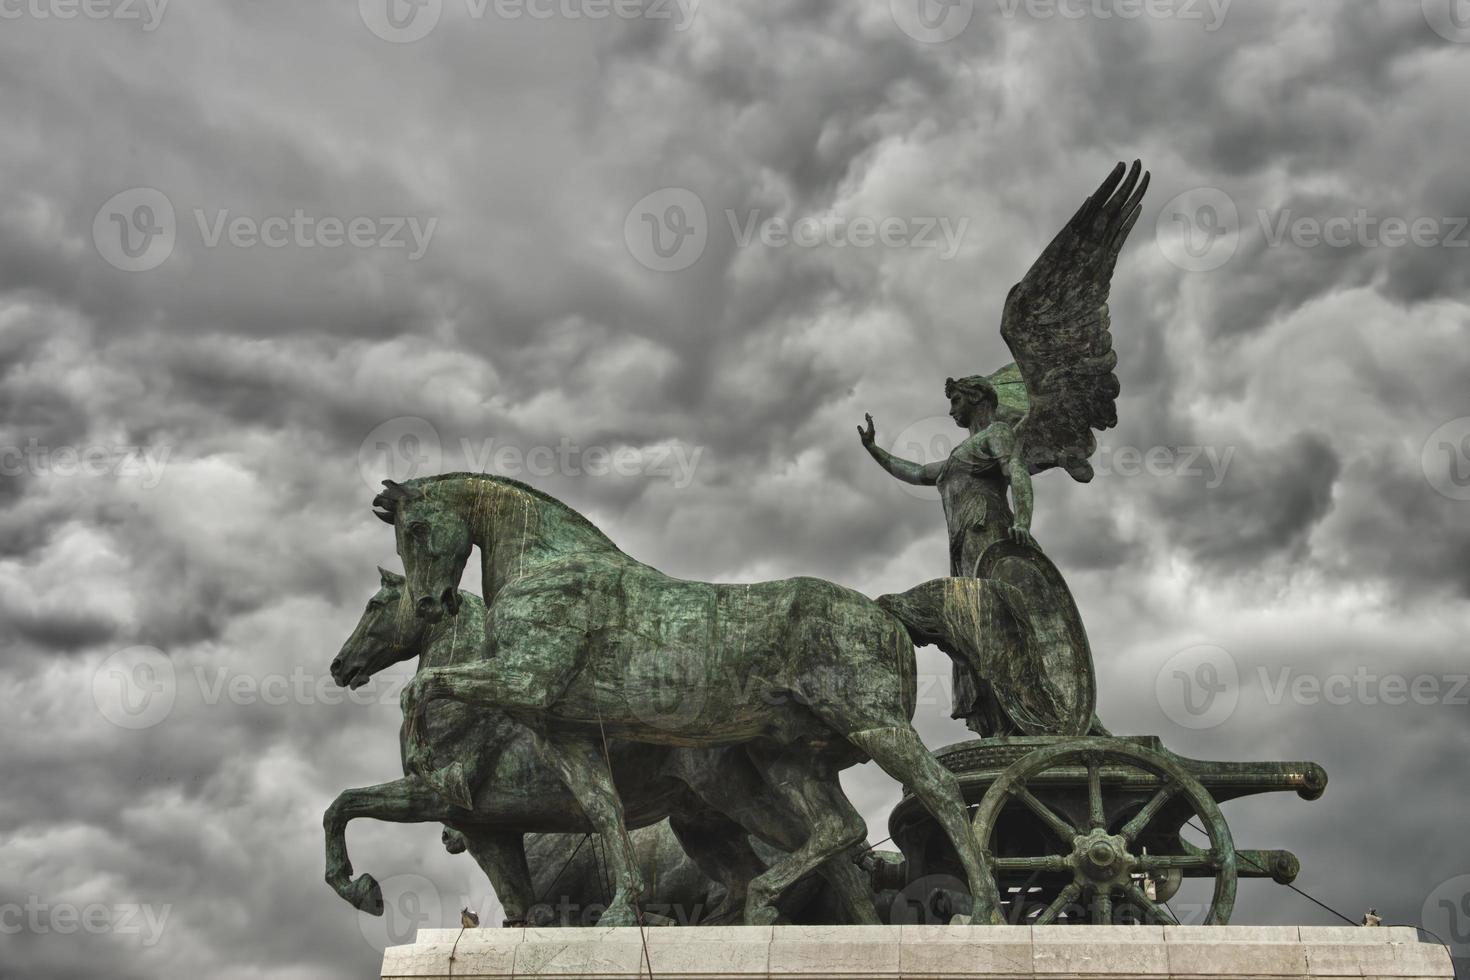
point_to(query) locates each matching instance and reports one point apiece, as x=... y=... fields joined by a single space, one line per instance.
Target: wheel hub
x=1100 y=859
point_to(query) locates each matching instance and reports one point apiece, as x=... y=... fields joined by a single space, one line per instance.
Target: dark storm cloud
x=1266 y=505
x=65 y=630
x=1437 y=562
x=1332 y=539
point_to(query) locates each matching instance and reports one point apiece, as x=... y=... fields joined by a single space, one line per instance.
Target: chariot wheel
x=1093 y=848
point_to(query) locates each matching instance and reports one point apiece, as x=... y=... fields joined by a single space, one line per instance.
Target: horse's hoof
x=366 y=895
x=541 y=916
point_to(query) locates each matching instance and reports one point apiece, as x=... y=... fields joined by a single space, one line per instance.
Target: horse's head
x=387 y=633
x=434 y=541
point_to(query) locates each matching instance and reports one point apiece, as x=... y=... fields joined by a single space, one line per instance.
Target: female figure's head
x=972 y=401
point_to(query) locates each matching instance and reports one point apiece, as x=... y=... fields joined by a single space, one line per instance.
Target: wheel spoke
x=1151 y=809
x=1102 y=909
x=1148 y=906
x=1094 y=793
x=1067 y=896
x=1049 y=862
x=1058 y=826
x=1170 y=862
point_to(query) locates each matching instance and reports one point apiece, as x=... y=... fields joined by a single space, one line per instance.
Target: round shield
x=1049 y=687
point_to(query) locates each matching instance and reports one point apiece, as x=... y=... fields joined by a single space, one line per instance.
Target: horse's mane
x=571 y=513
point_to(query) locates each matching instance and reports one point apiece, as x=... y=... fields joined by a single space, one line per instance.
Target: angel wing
x=1056 y=325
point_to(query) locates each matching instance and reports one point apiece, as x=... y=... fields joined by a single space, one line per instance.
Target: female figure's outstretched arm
x=921 y=474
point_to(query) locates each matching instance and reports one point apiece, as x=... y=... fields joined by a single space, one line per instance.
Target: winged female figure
x=1028 y=417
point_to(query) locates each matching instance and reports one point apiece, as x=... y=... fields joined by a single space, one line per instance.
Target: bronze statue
x=590 y=692
x=1028 y=417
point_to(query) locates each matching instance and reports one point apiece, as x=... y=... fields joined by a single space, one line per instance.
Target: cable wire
x=1288 y=884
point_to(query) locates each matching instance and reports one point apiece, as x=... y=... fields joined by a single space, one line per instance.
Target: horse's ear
x=383 y=508
x=389 y=580
x=397 y=491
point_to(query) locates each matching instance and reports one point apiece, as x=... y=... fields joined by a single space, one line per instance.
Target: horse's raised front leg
x=582 y=766
x=406 y=800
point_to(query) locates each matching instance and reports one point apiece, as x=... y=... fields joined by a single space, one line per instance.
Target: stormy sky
x=658 y=258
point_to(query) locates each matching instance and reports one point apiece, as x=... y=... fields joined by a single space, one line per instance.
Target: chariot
x=1089 y=829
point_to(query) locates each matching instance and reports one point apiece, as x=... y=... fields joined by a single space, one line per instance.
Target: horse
x=514 y=793
x=584 y=643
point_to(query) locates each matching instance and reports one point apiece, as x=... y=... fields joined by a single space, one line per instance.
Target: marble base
x=928 y=952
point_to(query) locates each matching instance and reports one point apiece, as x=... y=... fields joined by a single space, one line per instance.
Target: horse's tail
x=1035 y=674
x=972 y=620
x=958 y=615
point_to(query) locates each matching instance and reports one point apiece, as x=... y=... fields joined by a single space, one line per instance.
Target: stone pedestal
x=927 y=952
